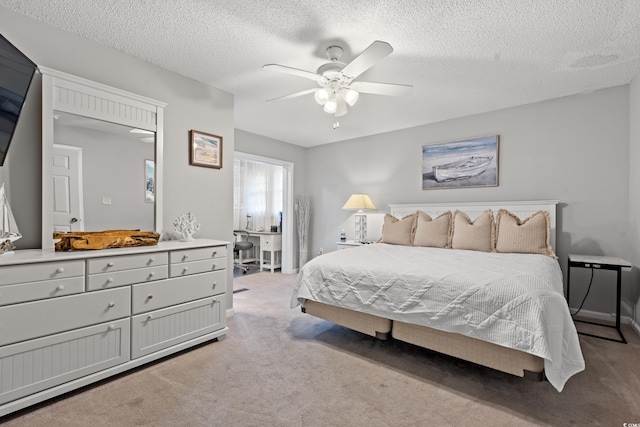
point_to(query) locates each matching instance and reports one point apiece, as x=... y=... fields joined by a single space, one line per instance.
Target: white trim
x=522 y=209
x=230 y=312
x=287 y=226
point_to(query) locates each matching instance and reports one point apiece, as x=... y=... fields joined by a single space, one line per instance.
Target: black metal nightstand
x=600 y=263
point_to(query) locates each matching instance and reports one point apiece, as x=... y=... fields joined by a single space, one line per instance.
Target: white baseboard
x=607 y=317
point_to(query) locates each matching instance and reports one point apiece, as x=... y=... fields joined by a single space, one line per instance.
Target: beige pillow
x=397 y=231
x=474 y=235
x=432 y=232
x=531 y=236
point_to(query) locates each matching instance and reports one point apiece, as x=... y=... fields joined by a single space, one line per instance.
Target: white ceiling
x=462 y=57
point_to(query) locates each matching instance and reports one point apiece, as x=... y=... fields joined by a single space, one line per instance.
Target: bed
x=502 y=310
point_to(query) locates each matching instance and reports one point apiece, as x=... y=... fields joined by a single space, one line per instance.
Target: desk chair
x=241 y=243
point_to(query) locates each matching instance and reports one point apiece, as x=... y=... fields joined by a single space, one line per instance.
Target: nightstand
x=600 y=263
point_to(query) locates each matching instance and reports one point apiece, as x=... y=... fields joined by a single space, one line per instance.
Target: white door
x=67 y=188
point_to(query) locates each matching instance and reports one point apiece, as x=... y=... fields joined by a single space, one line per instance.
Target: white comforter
x=513 y=300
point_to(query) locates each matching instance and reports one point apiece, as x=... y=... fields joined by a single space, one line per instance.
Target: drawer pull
x=214 y=253
x=60 y=270
x=60 y=288
x=150 y=296
x=149 y=316
x=109 y=264
x=185 y=256
x=152 y=260
x=214 y=285
x=112 y=327
x=184 y=270
x=152 y=274
x=213 y=267
x=112 y=304
x=110 y=280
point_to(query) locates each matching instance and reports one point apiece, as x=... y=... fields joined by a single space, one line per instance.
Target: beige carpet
x=279 y=367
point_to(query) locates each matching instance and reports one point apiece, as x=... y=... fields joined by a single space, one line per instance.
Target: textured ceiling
x=462 y=57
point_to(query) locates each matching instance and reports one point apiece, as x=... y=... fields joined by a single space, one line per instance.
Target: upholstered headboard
x=522 y=209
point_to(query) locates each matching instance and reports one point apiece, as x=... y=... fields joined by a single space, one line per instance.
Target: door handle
x=74 y=220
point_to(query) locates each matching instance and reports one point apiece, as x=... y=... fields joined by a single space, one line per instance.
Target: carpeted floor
x=279 y=367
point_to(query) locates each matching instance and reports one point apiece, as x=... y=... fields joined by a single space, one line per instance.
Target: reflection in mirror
x=103 y=175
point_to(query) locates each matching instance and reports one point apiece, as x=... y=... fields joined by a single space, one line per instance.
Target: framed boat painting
x=461 y=164
x=205 y=150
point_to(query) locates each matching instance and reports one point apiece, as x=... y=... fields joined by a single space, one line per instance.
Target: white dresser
x=68 y=319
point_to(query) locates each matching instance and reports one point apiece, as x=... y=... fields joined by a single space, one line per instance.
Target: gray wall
x=634 y=190
x=205 y=192
x=574 y=149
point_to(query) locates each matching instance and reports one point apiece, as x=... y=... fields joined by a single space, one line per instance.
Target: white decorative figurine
x=186 y=225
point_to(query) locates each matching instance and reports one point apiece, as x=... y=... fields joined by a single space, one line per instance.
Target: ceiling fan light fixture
x=321 y=96
x=350 y=96
x=331 y=105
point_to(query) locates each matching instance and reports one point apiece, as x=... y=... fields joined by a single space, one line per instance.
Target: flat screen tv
x=16 y=73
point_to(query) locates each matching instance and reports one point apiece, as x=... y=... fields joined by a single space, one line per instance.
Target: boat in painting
x=461 y=169
x=8 y=228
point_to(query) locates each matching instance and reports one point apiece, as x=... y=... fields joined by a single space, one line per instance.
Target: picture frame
x=149 y=181
x=205 y=150
x=465 y=163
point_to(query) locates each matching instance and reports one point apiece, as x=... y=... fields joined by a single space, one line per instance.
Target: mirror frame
x=71 y=94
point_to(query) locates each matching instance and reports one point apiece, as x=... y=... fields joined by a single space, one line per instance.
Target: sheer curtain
x=257 y=194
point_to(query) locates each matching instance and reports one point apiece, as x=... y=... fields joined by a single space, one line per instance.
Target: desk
x=600 y=263
x=269 y=243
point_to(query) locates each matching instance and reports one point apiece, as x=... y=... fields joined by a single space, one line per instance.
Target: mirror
x=88 y=138
x=103 y=175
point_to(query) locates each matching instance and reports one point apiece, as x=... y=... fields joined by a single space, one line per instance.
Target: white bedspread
x=513 y=300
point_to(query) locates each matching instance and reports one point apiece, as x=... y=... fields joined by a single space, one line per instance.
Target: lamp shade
x=359 y=202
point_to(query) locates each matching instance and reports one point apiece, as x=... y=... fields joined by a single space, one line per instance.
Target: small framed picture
x=149 y=181
x=205 y=150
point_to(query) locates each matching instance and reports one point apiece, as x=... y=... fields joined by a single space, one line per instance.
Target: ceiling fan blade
x=390 y=89
x=341 y=107
x=368 y=58
x=293 y=95
x=295 y=71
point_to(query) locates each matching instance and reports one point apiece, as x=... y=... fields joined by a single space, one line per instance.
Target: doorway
x=260 y=213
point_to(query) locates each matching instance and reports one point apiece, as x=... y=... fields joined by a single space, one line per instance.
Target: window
x=257 y=194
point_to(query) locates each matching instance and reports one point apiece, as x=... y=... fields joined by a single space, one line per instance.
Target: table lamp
x=360 y=203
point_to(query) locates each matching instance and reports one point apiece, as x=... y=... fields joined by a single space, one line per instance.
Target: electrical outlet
x=106 y=200
x=321 y=251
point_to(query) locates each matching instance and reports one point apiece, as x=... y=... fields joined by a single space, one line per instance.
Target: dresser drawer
x=126 y=262
x=11 y=294
x=12 y=274
x=152 y=296
x=203 y=266
x=127 y=277
x=35 y=319
x=31 y=366
x=160 y=329
x=187 y=255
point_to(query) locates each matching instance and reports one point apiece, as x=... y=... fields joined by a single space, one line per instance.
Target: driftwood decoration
x=91 y=240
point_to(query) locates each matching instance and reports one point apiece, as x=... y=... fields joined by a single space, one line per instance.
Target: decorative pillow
x=531 y=236
x=474 y=235
x=397 y=231
x=433 y=232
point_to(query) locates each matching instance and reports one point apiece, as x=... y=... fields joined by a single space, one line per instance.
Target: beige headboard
x=522 y=209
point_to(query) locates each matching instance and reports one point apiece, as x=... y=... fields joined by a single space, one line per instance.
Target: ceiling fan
x=336 y=79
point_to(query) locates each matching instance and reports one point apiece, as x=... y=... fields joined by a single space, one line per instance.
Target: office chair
x=241 y=243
